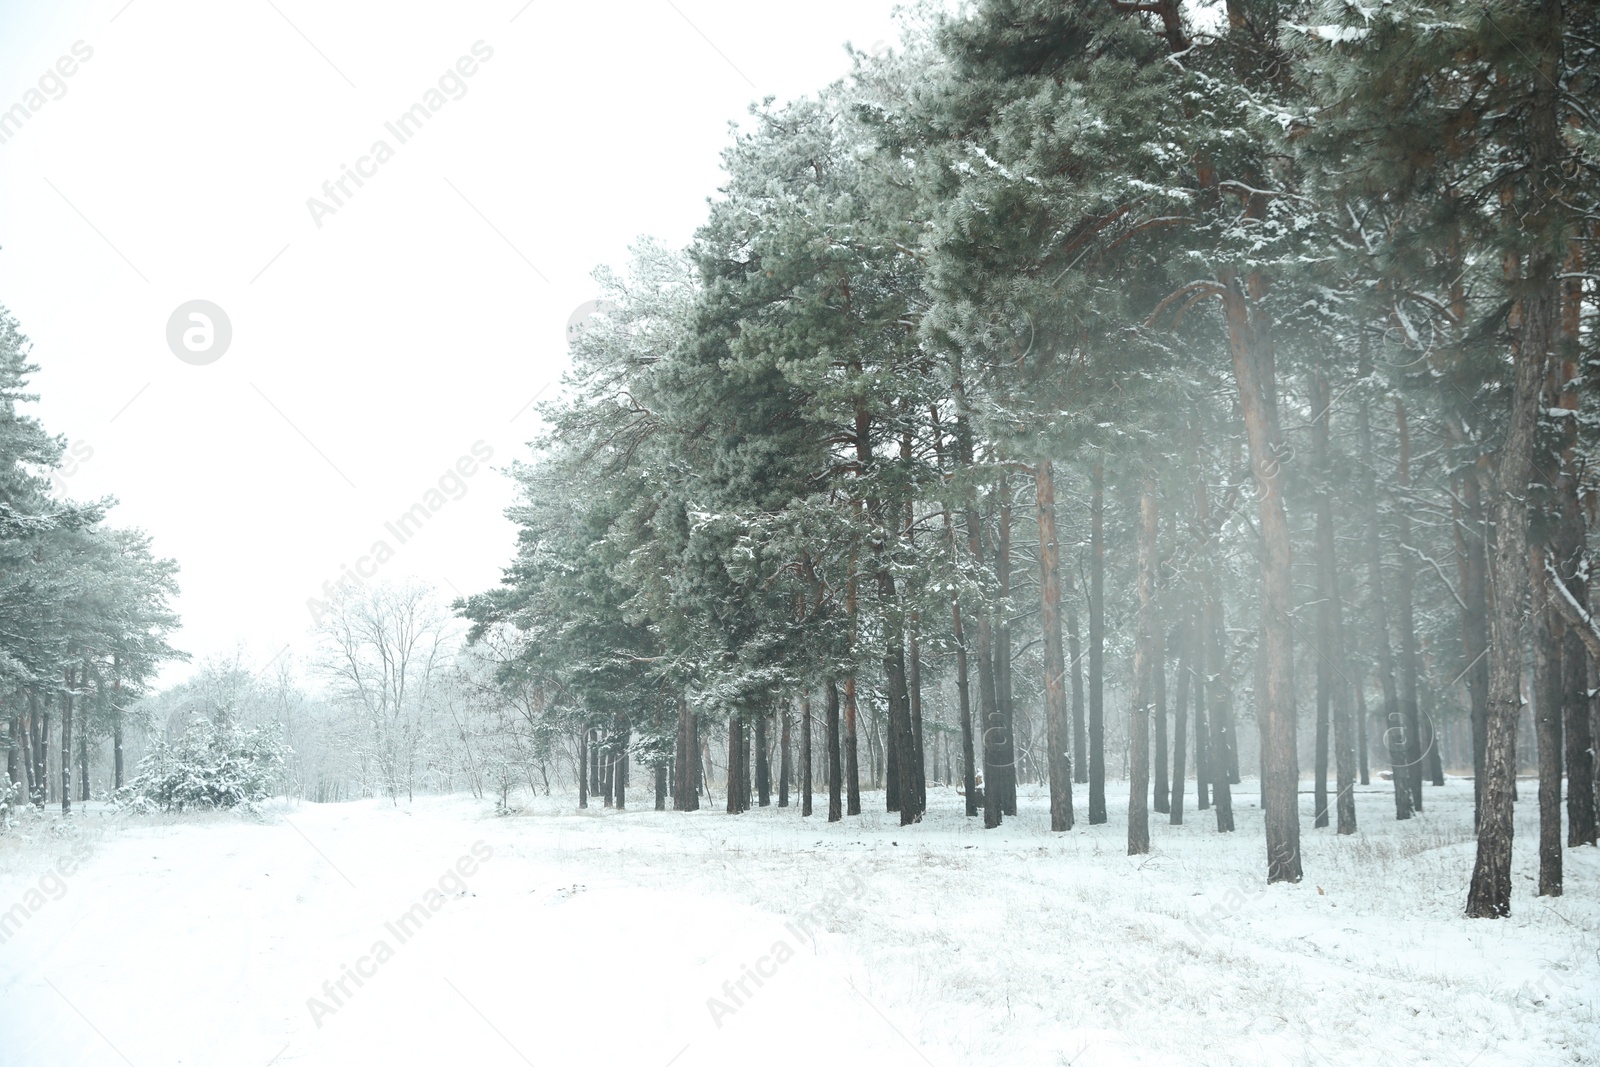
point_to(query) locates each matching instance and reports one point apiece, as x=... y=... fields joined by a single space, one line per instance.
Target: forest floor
x=608 y=937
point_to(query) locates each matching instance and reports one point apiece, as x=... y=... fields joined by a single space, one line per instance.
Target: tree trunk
x=835 y=770
x=1333 y=685
x=1254 y=377
x=1471 y=536
x=116 y=737
x=83 y=756
x=969 y=772
x=988 y=700
x=763 y=764
x=852 y=765
x=1490 y=891
x=1394 y=729
x=1570 y=562
x=620 y=763
x=1097 y=645
x=661 y=787
x=584 y=790
x=1158 y=691
x=13 y=755
x=916 y=755
x=1144 y=653
x=1080 y=733
x=687 y=797
x=66 y=744
x=1002 y=653
x=1203 y=760
x=1489 y=895
x=28 y=760
x=608 y=769
x=1180 y=720
x=785 y=769
x=1220 y=697
x=805 y=755
x=1547 y=681
x=1405 y=588
x=1056 y=729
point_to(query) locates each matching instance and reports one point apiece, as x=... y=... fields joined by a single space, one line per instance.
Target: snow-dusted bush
x=212 y=766
x=10 y=801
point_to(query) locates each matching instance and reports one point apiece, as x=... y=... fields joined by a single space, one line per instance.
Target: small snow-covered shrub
x=10 y=801
x=212 y=766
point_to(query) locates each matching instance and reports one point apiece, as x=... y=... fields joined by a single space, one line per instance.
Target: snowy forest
x=1105 y=484
x=1079 y=391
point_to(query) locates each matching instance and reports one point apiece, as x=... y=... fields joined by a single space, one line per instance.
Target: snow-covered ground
x=656 y=938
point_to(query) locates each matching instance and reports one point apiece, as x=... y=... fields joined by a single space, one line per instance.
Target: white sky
x=369 y=354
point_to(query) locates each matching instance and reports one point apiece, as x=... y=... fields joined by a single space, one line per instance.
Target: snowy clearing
x=606 y=937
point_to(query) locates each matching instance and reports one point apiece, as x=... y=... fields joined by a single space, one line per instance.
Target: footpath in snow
x=435 y=932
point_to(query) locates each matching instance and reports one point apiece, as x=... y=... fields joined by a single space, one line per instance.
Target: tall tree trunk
x=29 y=759
x=1158 y=708
x=1333 y=685
x=805 y=754
x=1570 y=562
x=1180 y=719
x=1489 y=895
x=763 y=764
x=688 y=768
x=582 y=766
x=116 y=725
x=1057 y=730
x=83 y=755
x=835 y=770
x=1547 y=681
x=1080 y=733
x=1471 y=536
x=1097 y=644
x=14 y=755
x=1363 y=745
x=66 y=744
x=623 y=760
x=1405 y=589
x=852 y=749
x=1220 y=697
x=785 y=769
x=735 y=758
x=608 y=773
x=1254 y=375
x=988 y=700
x=1202 y=718
x=969 y=774
x=1394 y=728
x=1002 y=652
x=918 y=779
x=1144 y=653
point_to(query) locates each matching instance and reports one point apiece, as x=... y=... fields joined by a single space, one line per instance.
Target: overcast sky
x=165 y=152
